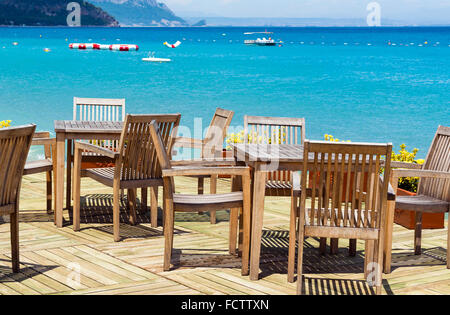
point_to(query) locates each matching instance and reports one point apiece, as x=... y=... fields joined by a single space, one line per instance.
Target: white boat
x=153 y=59
x=252 y=33
x=261 y=42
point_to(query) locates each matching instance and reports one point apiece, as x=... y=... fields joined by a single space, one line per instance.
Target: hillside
x=140 y=12
x=50 y=13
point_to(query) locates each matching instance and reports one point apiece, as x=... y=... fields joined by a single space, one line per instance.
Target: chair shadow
x=27 y=271
x=434 y=256
x=326 y=286
x=98 y=209
x=274 y=260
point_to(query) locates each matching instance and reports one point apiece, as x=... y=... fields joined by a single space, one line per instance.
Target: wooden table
x=76 y=130
x=263 y=159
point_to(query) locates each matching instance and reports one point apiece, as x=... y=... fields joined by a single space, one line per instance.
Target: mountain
x=50 y=13
x=286 y=22
x=140 y=12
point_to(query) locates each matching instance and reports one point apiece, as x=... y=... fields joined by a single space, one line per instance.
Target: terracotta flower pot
x=407 y=218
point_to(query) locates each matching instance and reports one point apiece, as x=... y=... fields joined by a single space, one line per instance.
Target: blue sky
x=418 y=11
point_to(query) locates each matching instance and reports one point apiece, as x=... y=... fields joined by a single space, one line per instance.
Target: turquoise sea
x=348 y=82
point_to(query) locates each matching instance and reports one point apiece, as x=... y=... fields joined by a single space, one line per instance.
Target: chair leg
x=201 y=188
x=144 y=199
x=292 y=239
x=154 y=206
x=69 y=174
x=49 y=192
x=334 y=246
x=76 y=191
x=15 y=241
x=448 y=244
x=323 y=245
x=234 y=213
x=418 y=234
x=378 y=260
x=368 y=257
x=240 y=232
x=352 y=248
x=132 y=205
x=213 y=191
x=168 y=231
x=116 y=213
x=244 y=242
x=301 y=237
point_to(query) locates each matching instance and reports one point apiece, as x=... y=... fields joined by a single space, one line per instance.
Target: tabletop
x=74 y=126
x=268 y=152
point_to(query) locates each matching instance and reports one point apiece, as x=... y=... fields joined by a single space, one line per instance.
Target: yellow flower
x=5 y=123
x=332 y=139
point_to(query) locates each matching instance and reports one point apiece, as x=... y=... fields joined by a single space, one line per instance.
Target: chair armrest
x=204 y=162
x=420 y=173
x=188 y=142
x=194 y=171
x=43 y=141
x=96 y=149
x=406 y=165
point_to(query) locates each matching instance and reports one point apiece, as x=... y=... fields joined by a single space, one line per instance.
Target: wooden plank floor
x=60 y=261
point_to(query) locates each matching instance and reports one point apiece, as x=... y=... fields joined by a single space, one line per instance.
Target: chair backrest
x=138 y=156
x=98 y=109
x=162 y=155
x=344 y=183
x=438 y=159
x=47 y=147
x=15 y=144
x=274 y=130
x=217 y=133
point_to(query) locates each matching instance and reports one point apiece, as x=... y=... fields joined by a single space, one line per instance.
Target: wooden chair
x=340 y=208
x=279 y=130
x=192 y=203
x=275 y=130
x=14 y=146
x=98 y=109
x=135 y=164
x=47 y=165
x=211 y=147
x=433 y=193
x=94 y=109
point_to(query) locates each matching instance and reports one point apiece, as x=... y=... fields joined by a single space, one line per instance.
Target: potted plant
x=408 y=187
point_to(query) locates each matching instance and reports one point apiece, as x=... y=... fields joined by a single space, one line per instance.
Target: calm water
x=342 y=85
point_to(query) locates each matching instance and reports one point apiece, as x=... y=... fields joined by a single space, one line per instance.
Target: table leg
x=59 y=191
x=388 y=237
x=257 y=221
x=69 y=175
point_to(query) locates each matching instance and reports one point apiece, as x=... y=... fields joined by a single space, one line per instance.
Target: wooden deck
x=51 y=257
